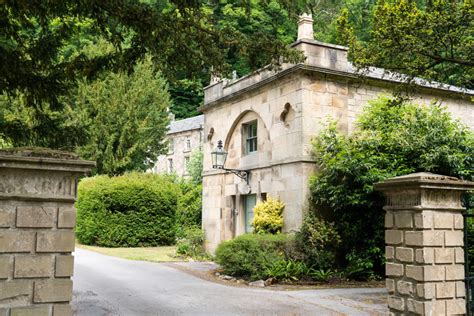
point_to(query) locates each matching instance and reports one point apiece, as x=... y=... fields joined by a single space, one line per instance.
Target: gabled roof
x=188 y=124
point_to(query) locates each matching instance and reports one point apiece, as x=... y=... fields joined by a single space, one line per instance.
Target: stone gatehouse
x=266 y=121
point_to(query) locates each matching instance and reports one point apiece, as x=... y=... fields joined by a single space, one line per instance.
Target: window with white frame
x=250 y=137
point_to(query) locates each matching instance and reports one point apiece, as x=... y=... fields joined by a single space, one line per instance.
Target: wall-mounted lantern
x=219 y=156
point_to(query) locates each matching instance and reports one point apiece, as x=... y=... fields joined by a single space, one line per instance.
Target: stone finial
x=305 y=27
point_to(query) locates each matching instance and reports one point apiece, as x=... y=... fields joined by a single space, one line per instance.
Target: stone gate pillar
x=37 y=219
x=424 y=244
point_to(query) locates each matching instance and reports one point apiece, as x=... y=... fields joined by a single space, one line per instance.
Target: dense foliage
x=192 y=243
x=136 y=209
x=268 y=216
x=250 y=255
x=189 y=208
x=127 y=211
x=281 y=257
x=39 y=55
x=126 y=118
x=429 y=39
x=317 y=243
x=194 y=166
x=393 y=138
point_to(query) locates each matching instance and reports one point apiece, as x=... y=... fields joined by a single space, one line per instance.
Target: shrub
x=191 y=244
x=132 y=210
x=250 y=255
x=316 y=243
x=189 y=210
x=268 y=216
x=393 y=138
x=288 y=270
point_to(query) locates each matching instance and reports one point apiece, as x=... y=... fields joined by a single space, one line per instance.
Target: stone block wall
x=424 y=244
x=37 y=220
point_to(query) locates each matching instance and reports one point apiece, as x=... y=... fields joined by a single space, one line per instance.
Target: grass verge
x=152 y=254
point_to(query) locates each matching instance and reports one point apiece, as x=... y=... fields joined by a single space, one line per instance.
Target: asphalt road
x=106 y=285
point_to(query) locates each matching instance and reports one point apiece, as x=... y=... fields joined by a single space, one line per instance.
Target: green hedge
x=132 y=210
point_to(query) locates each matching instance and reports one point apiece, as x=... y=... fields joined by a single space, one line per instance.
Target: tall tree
x=126 y=118
x=429 y=39
x=180 y=35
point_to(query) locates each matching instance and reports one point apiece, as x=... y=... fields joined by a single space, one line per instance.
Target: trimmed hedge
x=133 y=210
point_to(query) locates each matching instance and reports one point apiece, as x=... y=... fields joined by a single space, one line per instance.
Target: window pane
x=250 y=137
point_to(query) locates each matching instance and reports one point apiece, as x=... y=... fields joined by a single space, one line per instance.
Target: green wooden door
x=249 y=204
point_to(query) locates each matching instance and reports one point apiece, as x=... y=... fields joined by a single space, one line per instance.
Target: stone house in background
x=266 y=121
x=184 y=137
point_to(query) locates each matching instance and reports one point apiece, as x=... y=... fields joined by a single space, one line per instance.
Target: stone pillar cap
x=43 y=158
x=424 y=180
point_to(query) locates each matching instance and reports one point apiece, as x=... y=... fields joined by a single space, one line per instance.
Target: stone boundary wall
x=424 y=244
x=37 y=220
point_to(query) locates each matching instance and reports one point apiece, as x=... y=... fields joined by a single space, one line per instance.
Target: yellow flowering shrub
x=268 y=216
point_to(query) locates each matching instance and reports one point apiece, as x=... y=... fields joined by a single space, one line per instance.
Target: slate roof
x=188 y=124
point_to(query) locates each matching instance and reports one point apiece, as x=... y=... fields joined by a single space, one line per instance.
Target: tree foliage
x=194 y=166
x=126 y=119
x=393 y=138
x=182 y=36
x=429 y=39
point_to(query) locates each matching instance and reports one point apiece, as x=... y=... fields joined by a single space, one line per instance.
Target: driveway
x=106 y=285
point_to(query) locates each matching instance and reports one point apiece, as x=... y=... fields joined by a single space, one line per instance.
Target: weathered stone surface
x=7 y=216
x=445 y=290
x=454 y=238
x=403 y=219
x=393 y=237
x=32 y=234
x=405 y=254
x=16 y=241
x=455 y=272
x=404 y=287
x=6 y=266
x=426 y=290
x=54 y=290
x=430 y=274
x=417 y=307
x=34 y=266
x=66 y=217
x=15 y=290
x=456 y=307
x=388 y=220
x=38 y=310
x=64 y=266
x=396 y=302
x=62 y=310
x=35 y=216
x=444 y=255
x=394 y=269
x=55 y=241
x=390 y=285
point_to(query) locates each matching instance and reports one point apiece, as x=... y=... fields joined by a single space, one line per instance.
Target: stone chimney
x=305 y=27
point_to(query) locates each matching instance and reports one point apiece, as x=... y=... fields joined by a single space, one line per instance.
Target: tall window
x=171 y=146
x=188 y=143
x=170 y=165
x=250 y=137
x=186 y=164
